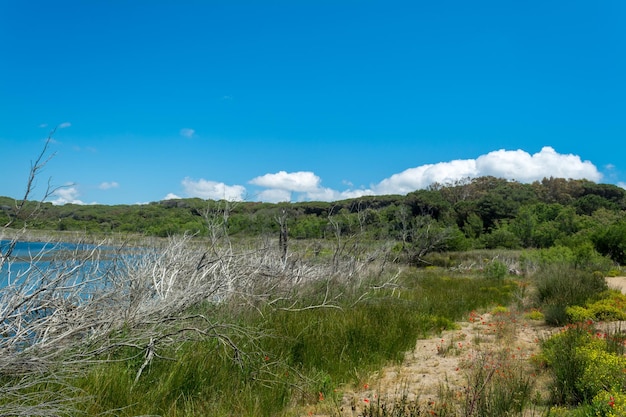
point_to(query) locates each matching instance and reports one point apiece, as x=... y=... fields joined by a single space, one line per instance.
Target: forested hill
x=483 y=212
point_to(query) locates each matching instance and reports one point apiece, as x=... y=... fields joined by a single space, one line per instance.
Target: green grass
x=560 y=286
x=291 y=356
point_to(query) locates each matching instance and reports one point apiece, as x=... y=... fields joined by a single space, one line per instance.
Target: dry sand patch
x=618 y=283
x=427 y=368
x=444 y=360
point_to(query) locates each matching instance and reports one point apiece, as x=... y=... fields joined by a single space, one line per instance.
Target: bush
x=582 y=365
x=501 y=238
x=552 y=255
x=609 y=404
x=560 y=286
x=566 y=364
x=496 y=270
x=611 y=241
x=578 y=314
x=586 y=257
x=611 y=308
x=535 y=314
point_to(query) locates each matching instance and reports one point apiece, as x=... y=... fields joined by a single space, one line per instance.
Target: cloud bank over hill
x=516 y=165
x=513 y=165
x=281 y=186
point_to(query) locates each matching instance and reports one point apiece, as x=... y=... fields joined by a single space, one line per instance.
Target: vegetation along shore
x=485 y=297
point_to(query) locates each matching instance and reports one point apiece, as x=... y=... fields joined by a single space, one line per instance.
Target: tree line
x=484 y=212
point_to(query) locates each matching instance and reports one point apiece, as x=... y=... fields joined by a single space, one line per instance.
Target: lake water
x=38 y=257
x=25 y=249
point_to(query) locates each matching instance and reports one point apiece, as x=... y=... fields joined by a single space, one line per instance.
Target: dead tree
x=283 y=233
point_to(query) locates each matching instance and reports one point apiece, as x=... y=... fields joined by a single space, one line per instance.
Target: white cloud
x=274 y=195
x=523 y=167
x=306 y=186
x=108 y=185
x=422 y=176
x=621 y=184
x=513 y=165
x=300 y=186
x=321 y=194
x=66 y=195
x=64 y=125
x=187 y=132
x=302 y=181
x=355 y=193
x=328 y=194
x=171 y=196
x=213 y=190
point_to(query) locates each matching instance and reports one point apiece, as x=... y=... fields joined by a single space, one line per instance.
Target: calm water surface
x=41 y=257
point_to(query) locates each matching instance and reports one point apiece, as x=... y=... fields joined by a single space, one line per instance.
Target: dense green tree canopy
x=472 y=213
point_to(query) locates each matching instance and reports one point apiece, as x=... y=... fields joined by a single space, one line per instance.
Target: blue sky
x=307 y=100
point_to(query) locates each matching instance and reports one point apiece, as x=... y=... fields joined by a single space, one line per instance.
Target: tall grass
x=497 y=386
x=289 y=357
x=561 y=285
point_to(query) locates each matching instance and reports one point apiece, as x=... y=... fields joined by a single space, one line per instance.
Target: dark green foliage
x=489 y=212
x=501 y=237
x=608 y=192
x=589 y=203
x=428 y=203
x=611 y=241
x=558 y=190
x=473 y=226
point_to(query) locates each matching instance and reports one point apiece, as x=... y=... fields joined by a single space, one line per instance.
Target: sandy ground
x=446 y=359
x=618 y=283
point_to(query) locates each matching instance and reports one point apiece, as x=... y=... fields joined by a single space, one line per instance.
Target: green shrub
x=607 y=310
x=535 y=314
x=577 y=314
x=611 y=241
x=560 y=286
x=611 y=403
x=582 y=365
x=500 y=310
x=561 y=353
x=586 y=257
x=555 y=313
x=610 y=308
x=501 y=237
x=603 y=370
x=549 y=256
x=496 y=270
